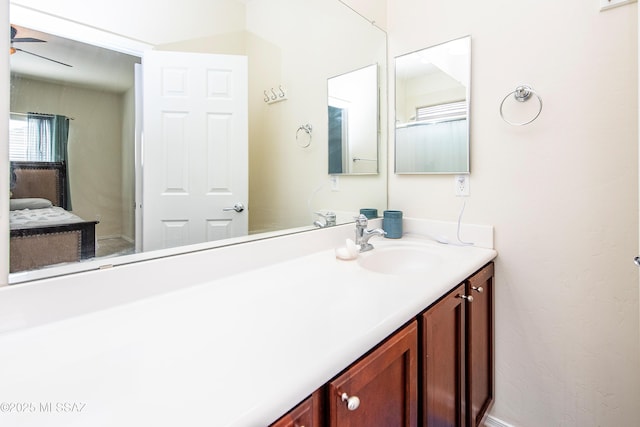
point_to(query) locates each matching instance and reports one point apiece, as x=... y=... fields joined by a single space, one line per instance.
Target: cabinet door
x=480 y=345
x=306 y=414
x=443 y=397
x=381 y=389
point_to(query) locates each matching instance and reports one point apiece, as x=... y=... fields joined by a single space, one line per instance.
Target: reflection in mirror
x=432 y=109
x=287 y=183
x=353 y=122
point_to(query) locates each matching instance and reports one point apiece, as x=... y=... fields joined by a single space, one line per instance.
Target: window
x=31 y=138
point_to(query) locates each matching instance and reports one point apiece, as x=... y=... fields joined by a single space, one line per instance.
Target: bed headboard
x=45 y=180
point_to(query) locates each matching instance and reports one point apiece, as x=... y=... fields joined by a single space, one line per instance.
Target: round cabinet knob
x=353 y=402
x=467 y=297
x=478 y=289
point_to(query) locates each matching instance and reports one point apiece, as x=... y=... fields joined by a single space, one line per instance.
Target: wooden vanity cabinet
x=380 y=389
x=457 y=354
x=437 y=371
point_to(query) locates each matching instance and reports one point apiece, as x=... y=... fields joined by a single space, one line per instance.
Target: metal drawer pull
x=467 y=297
x=478 y=289
x=353 y=402
x=238 y=207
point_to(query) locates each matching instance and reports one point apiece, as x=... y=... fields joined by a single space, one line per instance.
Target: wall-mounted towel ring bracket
x=305 y=140
x=521 y=94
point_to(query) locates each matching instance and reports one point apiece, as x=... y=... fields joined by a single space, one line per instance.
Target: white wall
x=562 y=194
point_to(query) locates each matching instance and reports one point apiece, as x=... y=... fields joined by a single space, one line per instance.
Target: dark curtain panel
x=60 y=153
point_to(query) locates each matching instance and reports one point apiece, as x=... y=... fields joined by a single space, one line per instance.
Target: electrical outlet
x=461 y=185
x=335 y=183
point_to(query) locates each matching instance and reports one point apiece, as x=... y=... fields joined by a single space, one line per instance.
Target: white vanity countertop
x=240 y=350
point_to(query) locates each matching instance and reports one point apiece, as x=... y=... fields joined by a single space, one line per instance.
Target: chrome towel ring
x=521 y=94
x=306 y=141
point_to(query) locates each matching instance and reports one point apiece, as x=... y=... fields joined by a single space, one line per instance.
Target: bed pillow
x=29 y=203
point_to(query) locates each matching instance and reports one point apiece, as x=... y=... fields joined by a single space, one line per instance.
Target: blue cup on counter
x=392 y=224
x=370 y=213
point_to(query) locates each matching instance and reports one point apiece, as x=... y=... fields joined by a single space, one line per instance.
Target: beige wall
x=288 y=183
x=562 y=194
x=95 y=145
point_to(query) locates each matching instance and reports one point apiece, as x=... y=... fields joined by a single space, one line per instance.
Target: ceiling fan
x=14 y=49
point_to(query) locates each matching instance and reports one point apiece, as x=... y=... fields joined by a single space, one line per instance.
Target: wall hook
x=271 y=96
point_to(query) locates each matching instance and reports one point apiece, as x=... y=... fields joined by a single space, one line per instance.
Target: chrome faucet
x=363 y=234
x=329 y=220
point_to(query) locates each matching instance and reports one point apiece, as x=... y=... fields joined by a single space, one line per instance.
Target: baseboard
x=494 y=422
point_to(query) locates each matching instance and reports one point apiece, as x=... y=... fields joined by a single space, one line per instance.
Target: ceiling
x=91 y=66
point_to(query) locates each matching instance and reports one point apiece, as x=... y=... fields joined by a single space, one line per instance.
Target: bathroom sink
x=400 y=260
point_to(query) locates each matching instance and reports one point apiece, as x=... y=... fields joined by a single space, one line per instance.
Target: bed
x=42 y=232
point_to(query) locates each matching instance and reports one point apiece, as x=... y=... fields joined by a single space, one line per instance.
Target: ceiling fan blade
x=27 y=40
x=14 y=33
x=44 y=57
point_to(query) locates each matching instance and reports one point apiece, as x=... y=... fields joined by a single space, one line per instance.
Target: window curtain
x=50 y=135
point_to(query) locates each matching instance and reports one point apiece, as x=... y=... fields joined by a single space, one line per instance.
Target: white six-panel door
x=195 y=154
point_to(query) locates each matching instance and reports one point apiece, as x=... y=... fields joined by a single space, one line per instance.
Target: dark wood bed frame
x=41 y=246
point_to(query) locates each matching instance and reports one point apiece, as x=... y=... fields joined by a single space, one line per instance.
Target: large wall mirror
x=285 y=53
x=432 y=109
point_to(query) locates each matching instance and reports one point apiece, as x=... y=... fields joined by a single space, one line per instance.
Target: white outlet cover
x=608 y=4
x=459 y=190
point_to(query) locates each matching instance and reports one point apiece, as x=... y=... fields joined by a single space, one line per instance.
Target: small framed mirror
x=433 y=88
x=352 y=104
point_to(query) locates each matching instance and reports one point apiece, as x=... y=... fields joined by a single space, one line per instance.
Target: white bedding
x=33 y=218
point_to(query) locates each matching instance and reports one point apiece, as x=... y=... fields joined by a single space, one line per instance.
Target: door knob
x=478 y=289
x=637 y=260
x=238 y=207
